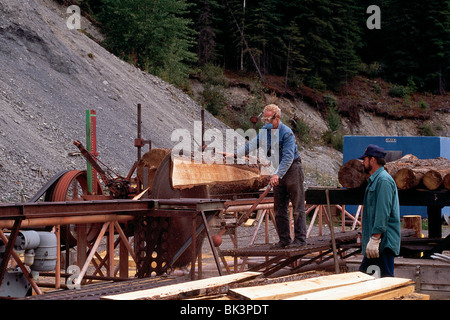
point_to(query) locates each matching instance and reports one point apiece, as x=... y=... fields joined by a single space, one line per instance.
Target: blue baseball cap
x=373 y=150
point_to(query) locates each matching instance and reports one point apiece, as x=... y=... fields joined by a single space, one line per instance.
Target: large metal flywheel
x=72 y=186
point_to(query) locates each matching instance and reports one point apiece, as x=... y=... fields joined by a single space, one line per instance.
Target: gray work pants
x=291 y=189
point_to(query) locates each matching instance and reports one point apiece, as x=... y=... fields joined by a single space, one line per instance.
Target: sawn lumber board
x=173 y=290
x=294 y=288
x=187 y=173
x=357 y=291
x=392 y=294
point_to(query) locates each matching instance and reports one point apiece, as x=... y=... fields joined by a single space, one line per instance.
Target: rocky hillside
x=51 y=75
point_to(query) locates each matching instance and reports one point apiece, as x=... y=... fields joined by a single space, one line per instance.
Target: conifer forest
x=317 y=43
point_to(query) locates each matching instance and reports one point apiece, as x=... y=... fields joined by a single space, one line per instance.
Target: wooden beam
x=173 y=291
x=357 y=291
x=392 y=294
x=186 y=173
x=289 y=289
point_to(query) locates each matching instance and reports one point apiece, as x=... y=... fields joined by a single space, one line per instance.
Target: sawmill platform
x=277 y=259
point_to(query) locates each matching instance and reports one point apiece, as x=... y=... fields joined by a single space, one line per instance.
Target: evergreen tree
x=346 y=39
x=400 y=31
x=434 y=50
x=153 y=34
x=417 y=43
x=205 y=15
x=264 y=30
x=295 y=60
x=332 y=37
x=318 y=42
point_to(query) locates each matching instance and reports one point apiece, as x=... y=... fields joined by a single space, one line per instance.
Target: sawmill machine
x=165 y=239
x=157 y=170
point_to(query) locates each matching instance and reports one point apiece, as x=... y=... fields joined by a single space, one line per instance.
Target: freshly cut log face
x=427 y=172
x=407 y=161
x=186 y=174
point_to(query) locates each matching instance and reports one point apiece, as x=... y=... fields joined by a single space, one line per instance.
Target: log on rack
x=434 y=178
x=446 y=181
x=352 y=174
x=409 y=172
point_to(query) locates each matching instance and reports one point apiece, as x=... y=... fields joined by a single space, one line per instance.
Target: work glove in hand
x=372 y=249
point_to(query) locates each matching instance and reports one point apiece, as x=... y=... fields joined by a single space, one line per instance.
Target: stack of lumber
x=409 y=172
x=176 y=291
x=346 y=286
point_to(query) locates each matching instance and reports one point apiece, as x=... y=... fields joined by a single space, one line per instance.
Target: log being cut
x=166 y=242
x=220 y=178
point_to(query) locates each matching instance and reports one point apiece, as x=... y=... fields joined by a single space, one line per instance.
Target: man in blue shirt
x=287 y=182
x=381 y=216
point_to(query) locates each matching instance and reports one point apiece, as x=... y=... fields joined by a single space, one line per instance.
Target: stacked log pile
x=409 y=172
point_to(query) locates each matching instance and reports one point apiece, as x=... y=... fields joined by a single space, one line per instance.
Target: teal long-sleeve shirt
x=381 y=212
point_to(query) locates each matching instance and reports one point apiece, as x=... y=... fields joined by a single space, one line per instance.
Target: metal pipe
x=247 y=207
x=39 y=222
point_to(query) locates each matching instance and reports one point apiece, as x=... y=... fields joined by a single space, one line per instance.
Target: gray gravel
x=50 y=76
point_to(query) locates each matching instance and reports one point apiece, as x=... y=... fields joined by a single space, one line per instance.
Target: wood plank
x=187 y=173
x=294 y=288
x=416 y=296
x=167 y=292
x=392 y=294
x=356 y=291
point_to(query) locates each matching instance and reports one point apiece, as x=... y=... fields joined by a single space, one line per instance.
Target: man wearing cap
x=381 y=216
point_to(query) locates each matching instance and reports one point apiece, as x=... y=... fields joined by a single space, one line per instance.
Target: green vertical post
x=91 y=146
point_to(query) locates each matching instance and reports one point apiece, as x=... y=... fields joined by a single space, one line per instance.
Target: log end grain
x=447 y=181
x=352 y=174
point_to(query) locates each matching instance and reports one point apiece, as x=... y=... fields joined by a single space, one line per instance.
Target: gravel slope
x=50 y=75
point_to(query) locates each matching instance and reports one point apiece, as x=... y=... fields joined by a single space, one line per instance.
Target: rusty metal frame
x=109 y=226
x=107 y=212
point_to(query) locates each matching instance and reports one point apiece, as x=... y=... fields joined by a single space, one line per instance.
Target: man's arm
x=287 y=150
x=248 y=147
